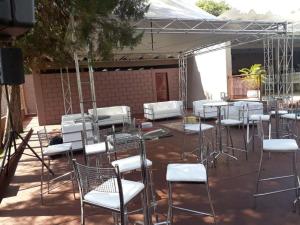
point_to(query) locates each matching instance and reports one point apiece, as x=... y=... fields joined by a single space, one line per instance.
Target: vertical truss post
x=93 y=99
x=81 y=102
x=269 y=67
x=278 y=63
x=66 y=89
x=182 y=61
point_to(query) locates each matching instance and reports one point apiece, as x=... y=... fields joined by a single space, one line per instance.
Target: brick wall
x=132 y=88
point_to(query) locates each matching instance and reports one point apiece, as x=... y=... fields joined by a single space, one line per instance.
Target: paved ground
x=232 y=184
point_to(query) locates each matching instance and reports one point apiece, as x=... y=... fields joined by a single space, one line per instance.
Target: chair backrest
x=99 y=179
x=260 y=130
x=43 y=137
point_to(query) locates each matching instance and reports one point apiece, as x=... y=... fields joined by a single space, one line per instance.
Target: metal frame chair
x=227 y=123
x=99 y=150
x=104 y=188
x=275 y=146
x=199 y=128
x=189 y=173
x=50 y=150
x=252 y=120
x=126 y=143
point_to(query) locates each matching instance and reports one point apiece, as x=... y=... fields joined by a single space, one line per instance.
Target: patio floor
x=232 y=184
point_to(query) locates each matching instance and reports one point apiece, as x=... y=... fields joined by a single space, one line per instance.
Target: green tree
x=213 y=7
x=99 y=25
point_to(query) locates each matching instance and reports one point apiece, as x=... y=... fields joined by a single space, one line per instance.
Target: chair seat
x=111 y=199
x=57 y=149
x=290 y=116
x=186 y=172
x=196 y=127
x=130 y=163
x=97 y=148
x=230 y=122
x=257 y=117
x=280 y=112
x=280 y=145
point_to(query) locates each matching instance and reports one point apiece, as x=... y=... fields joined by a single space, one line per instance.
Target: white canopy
x=172 y=27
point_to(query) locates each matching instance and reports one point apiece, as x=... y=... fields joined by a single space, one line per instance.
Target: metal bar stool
x=253 y=116
x=126 y=143
x=233 y=121
x=275 y=146
x=189 y=173
x=190 y=127
x=48 y=151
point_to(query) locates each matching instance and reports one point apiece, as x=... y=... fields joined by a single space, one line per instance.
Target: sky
x=278 y=7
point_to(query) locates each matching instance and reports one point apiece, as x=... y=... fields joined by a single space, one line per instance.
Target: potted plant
x=254 y=77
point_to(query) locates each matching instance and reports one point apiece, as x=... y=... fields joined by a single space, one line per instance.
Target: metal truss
x=150 y=25
x=278 y=62
x=67 y=95
x=182 y=61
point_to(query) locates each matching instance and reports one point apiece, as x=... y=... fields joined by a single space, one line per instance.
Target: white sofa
x=71 y=127
x=160 y=110
x=117 y=115
x=238 y=110
x=205 y=112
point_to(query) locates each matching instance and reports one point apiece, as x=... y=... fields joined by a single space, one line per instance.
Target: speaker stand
x=13 y=134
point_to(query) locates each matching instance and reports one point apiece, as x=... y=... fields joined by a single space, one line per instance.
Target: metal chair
x=191 y=126
x=104 y=188
x=97 y=150
x=277 y=146
x=227 y=122
x=47 y=152
x=129 y=144
x=189 y=173
x=252 y=120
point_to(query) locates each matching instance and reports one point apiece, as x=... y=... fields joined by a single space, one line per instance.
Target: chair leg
x=245 y=141
x=42 y=183
x=253 y=136
x=170 y=204
x=296 y=175
x=258 y=177
x=154 y=203
x=82 y=213
x=210 y=203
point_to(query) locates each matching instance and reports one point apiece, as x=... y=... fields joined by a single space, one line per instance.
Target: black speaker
x=16 y=17
x=11 y=66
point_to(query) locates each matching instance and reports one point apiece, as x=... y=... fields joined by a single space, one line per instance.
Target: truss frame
x=182 y=62
x=66 y=89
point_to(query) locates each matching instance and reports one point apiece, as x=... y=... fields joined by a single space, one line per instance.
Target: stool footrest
x=191 y=211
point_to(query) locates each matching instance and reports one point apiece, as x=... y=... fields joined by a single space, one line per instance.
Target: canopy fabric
x=172 y=27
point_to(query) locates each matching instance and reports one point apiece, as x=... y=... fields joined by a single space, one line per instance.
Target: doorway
x=162 y=88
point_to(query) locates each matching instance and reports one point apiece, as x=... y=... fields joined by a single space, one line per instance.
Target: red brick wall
x=131 y=88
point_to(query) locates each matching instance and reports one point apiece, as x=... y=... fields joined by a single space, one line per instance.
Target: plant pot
x=253 y=94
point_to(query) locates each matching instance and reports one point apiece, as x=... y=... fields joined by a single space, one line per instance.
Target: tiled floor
x=232 y=184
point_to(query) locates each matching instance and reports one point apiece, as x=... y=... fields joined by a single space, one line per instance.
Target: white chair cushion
x=97 y=148
x=257 y=117
x=230 y=122
x=280 y=145
x=196 y=127
x=290 y=116
x=280 y=112
x=57 y=149
x=186 y=172
x=130 y=163
x=111 y=199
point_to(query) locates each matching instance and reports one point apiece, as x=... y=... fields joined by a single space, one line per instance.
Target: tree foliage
x=213 y=7
x=106 y=24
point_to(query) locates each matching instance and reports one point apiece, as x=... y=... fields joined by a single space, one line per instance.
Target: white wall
x=207 y=75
